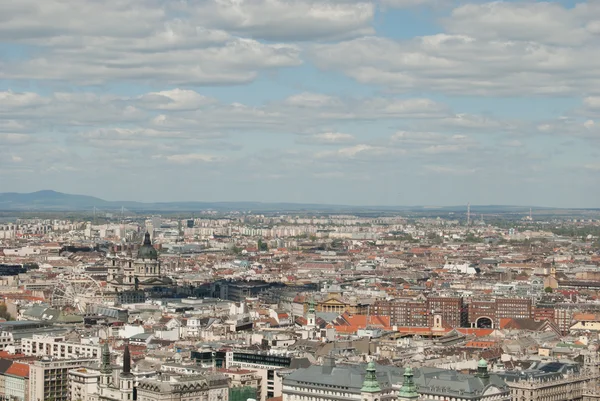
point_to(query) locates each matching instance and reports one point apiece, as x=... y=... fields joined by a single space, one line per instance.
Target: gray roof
x=428 y=380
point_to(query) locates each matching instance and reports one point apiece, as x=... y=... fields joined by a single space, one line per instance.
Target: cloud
x=326 y=138
x=94 y=42
x=189 y=158
x=541 y=22
x=286 y=20
x=463 y=63
x=450 y=170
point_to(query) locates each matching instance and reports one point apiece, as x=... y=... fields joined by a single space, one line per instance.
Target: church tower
x=106 y=370
x=408 y=391
x=311 y=317
x=370 y=391
x=126 y=377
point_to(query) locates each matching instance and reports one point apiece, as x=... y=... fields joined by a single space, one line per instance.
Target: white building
x=58 y=347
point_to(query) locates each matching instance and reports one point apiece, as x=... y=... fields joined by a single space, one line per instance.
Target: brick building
x=451 y=309
x=488 y=313
x=403 y=312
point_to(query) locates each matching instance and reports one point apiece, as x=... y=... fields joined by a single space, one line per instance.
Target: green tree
x=548 y=289
x=4 y=312
x=262 y=246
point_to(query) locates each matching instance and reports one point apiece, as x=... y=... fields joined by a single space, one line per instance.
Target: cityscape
x=299 y=200
x=238 y=306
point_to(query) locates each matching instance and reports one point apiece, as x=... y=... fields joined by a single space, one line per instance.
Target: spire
x=482 y=369
x=408 y=390
x=126 y=362
x=147 y=240
x=105 y=368
x=311 y=306
x=371 y=385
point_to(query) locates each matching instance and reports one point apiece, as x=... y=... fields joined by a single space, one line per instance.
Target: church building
x=136 y=274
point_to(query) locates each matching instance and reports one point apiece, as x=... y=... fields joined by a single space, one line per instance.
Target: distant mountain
x=48 y=200
x=57 y=201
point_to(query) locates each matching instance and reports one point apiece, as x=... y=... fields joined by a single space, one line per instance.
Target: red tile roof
x=18 y=369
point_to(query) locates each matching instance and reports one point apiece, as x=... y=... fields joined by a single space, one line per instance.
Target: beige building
x=552 y=382
x=58 y=347
x=49 y=380
x=213 y=387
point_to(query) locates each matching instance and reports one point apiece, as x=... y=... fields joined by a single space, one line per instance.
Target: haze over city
x=392 y=102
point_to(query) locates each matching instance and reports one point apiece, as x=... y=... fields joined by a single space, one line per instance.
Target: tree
x=4 y=313
x=262 y=246
x=548 y=290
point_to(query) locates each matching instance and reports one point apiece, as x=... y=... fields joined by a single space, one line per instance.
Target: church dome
x=147 y=251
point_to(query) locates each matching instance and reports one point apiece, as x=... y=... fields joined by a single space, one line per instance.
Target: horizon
x=425 y=207
x=368 y=102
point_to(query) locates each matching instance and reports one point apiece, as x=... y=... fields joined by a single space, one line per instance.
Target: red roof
x=18 y=369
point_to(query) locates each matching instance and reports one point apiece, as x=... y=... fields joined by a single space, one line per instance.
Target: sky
x=358 y=102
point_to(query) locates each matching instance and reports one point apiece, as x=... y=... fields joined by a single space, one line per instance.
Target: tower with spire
x=126 y=377
x=106 y=370
x=371 y=390
x=408 y=391
x=311 y=318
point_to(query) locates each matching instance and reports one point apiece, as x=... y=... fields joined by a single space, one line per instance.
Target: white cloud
x=472 y=61
x=450 y=170
x=541 y=22
x=189 y=158
x=327 y=138
x=175 y=99
x=284 y=19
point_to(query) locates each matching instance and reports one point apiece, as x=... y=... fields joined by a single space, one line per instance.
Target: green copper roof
x=482 y=369
x=147 y=251
x=408 y=389
x=105 y=367
x=311 y=306
x=371 y=385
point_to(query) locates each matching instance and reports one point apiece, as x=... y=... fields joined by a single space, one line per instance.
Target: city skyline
x=392 y=102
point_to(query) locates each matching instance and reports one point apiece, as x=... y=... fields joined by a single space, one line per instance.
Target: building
x=355 y=383
x=142 y=273
x=549 y=381
x=211 y=387
x=58 y=347
x=270 y=367
x=14 y=381
x=488 y=313
x=48 y=378
x=451 y=309
x=403 y=312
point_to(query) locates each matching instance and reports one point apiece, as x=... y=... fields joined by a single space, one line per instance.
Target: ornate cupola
x=371 y=390
x=147 y=251
x=482 y=369
x=408 y=391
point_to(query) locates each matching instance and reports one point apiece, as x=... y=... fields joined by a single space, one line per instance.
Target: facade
x=551 y=381
x=140 y=273
x=451 y=309
x=383 y=383
x=402 y=312
x=48 y=378
x=267 y=366
x=57 y=347
x=14 y=381
x=213 y=387
x=488 y=313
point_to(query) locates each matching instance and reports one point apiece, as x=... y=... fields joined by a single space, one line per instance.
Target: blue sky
x=388 y=102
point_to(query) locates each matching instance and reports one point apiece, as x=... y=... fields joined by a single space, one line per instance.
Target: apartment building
x=489 y=313
x=268 y=367
x=49 y=378
x=58 y=347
